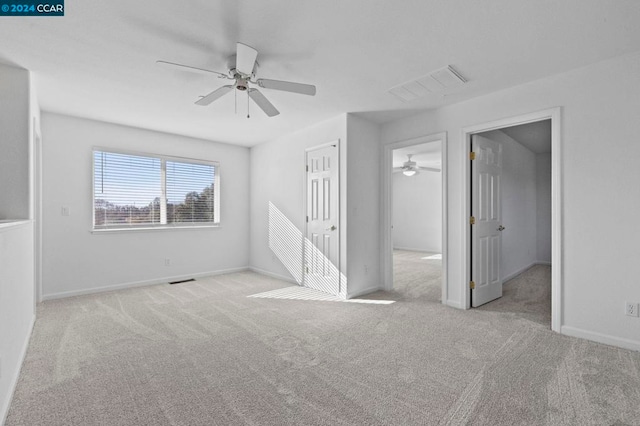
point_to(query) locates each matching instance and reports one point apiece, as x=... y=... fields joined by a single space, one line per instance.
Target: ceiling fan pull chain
x=235 y=98
x=248 y=116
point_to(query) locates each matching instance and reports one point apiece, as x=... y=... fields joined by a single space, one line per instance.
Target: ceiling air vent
x=435 y=82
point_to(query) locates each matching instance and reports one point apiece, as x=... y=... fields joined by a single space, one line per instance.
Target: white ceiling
x=534 y=136
x=425 y=155
x=99 y=60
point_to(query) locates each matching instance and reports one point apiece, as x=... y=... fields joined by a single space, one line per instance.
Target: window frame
x=163 y=183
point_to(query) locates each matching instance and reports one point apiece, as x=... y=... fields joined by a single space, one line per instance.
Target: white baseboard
x=4 y=409
x=419 y=250
x=518 y=272
x=525 y=269
x=163 y=280
x=454 y=304
x=620 y=342
x=273 y=275
x=363 y=292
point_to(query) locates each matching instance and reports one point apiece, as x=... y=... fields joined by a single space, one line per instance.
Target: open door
x=486 y=220
x=322 y=242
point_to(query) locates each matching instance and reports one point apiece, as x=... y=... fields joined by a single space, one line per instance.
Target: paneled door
x=322 y=242
x=486 y=220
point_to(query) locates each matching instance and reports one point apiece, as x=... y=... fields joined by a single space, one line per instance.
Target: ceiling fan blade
x=245 y=58
x=263 y=102
x=287 y=86
x=216 y=94
x=173 y=65
x=429 y=169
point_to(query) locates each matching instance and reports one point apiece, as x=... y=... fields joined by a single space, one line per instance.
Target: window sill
x=153 y=229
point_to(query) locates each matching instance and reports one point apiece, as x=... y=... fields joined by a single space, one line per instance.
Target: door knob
x=333 y=228
x=501 y=228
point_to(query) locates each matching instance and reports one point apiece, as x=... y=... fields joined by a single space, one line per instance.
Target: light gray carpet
x=296 y=292
x=417 y=275
x=526 y=296
x=203 y=353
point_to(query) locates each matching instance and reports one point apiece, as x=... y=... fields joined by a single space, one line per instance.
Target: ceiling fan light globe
x=409 y=173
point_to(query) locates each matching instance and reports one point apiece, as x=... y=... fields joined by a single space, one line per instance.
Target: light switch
x=65 y=211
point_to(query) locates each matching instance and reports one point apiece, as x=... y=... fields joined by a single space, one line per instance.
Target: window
x=148 y=191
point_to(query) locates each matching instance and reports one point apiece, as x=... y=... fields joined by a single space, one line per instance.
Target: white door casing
x=322 y=237
x=486 y=210
x=557 y=246
x=37 y=212
x=386 y=260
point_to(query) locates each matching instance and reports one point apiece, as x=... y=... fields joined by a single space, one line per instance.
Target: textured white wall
x=16 y=240
x=16 y=304
x=278 y=177
x=363 y=206
x=519 y=195
x=77 y=260
x=417 y=211
x=14 y=149
x=543 y=205
x=596 y=282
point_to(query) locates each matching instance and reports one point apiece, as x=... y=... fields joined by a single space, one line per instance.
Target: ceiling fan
x=242 y=71
x=410 y=168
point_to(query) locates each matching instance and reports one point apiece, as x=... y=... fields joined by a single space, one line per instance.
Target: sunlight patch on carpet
x=433 y=257
x=305 y=293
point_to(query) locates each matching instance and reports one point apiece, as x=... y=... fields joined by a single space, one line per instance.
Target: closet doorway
x=502 y=186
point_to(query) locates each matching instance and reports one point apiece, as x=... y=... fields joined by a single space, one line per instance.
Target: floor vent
x=437 y=81
x=182 y=281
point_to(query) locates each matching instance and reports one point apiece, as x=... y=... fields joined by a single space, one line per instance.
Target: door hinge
x=472 y=155
x=306 y=268
x=472 y=285
x=306 y=168
x=472 y=220
x=307 y=218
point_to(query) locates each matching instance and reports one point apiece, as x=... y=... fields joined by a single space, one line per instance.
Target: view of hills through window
x=133 y=190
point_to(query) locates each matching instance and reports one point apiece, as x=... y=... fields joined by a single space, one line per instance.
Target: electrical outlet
x=631 y=309
x=167 y=262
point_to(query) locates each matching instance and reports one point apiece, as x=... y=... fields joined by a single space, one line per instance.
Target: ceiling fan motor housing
x=242 y=84
x=233 y=71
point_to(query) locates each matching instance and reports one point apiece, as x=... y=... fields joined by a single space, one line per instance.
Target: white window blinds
x=190 y=192
x=133 y=191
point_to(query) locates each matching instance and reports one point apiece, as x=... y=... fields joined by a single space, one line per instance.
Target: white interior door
x=322 y=242
x=486 y=228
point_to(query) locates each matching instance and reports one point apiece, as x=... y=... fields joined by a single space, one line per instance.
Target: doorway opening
x=512 y=208
x=414 y=218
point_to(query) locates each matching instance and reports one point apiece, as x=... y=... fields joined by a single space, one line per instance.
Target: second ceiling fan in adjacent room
x=410 y=168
